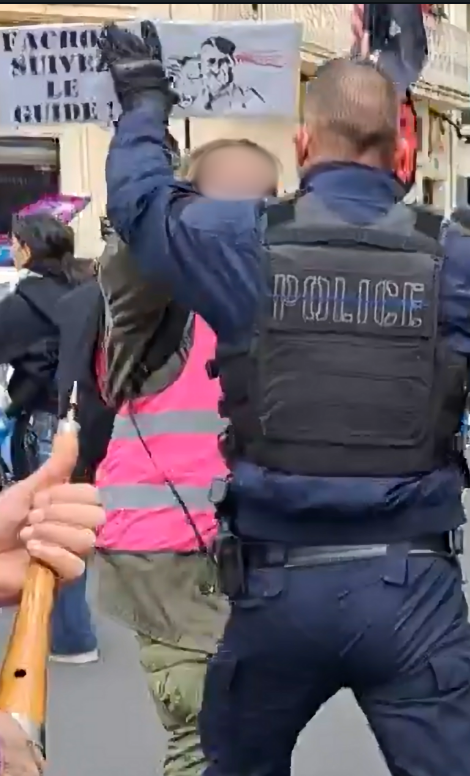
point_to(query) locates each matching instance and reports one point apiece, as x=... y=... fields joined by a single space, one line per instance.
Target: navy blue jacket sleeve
x=455 y=288
x=207 y=251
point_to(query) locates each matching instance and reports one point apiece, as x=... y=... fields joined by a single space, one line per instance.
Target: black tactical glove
x=106 y=230
x=136 y=65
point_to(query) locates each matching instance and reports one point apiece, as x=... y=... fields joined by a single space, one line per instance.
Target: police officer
x=345 y=497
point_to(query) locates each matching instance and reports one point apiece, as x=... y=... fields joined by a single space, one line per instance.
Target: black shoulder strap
x=282 y=210
x=428 y=223
x=351 y=235
x=224 y=353
x=168 y=339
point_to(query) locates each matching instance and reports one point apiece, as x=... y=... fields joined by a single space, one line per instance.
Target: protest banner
x=51 y=74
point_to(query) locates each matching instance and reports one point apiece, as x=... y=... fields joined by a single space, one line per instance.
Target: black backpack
x=82 y=312
x=143 y=326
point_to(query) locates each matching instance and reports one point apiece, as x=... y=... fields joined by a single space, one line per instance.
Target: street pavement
x=101 y=721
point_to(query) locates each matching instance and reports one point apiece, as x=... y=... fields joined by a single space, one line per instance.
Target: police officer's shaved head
x=351 y=114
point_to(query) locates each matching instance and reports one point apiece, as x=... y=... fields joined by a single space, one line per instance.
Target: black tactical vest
x=348 y=374
x=144 y=328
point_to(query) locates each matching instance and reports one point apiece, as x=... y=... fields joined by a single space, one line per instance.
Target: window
x=434 y=193
x=428 y=191
x=29 y=170
x=21 y=186
x=462 y=191
x=419 y=124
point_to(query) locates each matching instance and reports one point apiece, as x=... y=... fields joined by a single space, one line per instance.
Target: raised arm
x=206 y=251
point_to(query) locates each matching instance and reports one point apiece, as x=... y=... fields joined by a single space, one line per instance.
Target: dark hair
x=224 y=45
x=51 y=244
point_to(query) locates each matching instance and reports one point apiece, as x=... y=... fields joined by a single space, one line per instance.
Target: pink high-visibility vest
x=180 y=426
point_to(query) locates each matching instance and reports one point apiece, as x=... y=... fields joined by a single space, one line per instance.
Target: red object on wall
x=407 y=152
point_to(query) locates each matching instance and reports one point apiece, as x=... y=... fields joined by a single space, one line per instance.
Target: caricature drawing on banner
x=235 y=70
x=52 y=73
x=207 y=81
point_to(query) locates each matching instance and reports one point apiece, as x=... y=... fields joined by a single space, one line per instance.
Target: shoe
x=76 y=660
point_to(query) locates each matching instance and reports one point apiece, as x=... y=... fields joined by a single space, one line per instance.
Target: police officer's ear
x=301 y=143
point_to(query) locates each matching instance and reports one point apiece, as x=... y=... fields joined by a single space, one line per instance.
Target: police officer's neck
x=324 y=148
x=370 y=159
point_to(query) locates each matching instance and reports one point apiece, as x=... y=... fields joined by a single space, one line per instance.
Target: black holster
x=227 y=547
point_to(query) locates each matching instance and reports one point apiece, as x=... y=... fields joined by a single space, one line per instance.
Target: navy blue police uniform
x=346 y=488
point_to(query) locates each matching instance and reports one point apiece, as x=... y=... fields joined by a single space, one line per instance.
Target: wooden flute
x=23 y=676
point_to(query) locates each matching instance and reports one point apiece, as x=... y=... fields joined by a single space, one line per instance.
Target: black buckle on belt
x=218 y=491
x=227 y=547
x=212 y=369
x=459 y=442
x=456 y=542
x=458 y=455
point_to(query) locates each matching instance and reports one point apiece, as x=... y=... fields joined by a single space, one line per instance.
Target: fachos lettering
x=49 y=39
x=53 y=64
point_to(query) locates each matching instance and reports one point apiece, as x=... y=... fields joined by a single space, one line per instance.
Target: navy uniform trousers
x=392 y=629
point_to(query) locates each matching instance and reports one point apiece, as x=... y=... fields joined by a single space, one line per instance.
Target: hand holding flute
x=52 y=523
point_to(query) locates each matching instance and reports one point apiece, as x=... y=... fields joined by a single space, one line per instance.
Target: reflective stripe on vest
x=179 y=422
x=180 y=426
x=145 y=496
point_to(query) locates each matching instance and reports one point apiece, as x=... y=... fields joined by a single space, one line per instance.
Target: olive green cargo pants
x=171 y=603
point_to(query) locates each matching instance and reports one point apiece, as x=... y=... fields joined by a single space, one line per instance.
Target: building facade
x=461 y=159
x=73 y=156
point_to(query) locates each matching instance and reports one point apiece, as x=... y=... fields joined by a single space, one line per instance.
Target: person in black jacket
x=77 y=362
x=43 y=252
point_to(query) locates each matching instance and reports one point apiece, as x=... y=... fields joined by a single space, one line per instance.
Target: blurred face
x=21 y=254
x=237 y=173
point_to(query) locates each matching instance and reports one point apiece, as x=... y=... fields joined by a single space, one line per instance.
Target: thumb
x=151 y=37
x=59 y=466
